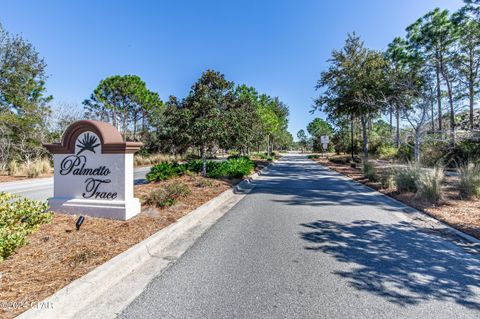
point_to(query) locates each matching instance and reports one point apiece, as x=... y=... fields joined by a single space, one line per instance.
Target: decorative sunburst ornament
x=88 y=143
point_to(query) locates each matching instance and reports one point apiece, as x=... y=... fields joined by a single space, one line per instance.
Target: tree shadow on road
x=401 y=263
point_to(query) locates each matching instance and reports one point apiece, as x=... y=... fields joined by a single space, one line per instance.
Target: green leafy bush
x=405 y=152
x=19 y=217
x=237 y=167
x=370 y=172
x=164 y=171
x=312 y=156
x=429 y=185
x=196 y=166
x=386 y=152
x=405 y=178
x=232 y=168
x=167 y=196
x=469 y=180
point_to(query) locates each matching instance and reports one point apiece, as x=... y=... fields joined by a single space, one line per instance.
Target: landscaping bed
x=461 y=214
x=57 y=254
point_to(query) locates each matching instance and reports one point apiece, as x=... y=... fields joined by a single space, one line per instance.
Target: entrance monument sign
x=93 y=172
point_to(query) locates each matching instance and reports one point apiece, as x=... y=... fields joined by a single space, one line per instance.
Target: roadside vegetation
x=18 y=219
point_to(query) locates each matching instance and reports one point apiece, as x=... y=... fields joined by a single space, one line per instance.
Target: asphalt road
x=42 y=188
x=308 y=243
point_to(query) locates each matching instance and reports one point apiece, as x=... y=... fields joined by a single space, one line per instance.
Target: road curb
x=81 y=298
x=409 y=210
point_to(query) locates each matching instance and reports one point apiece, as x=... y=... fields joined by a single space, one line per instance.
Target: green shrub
x=405 y=152
x=469 y=180
x=263 y=156
x=370 y=172
x=167 y=196
x=405 y=178
x=339 y=159
x=164 y=171
x=232 y=168
x=386 y=152
x=196 y=166
x=19 y=217
x=237 y=167
x=429 y=185
x=461 y=153
x=312 y=156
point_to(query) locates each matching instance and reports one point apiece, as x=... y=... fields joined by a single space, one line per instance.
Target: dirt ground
x=459 y=213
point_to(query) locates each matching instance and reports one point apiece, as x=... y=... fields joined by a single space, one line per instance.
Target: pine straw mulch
x=58 y=254
x=459 y=213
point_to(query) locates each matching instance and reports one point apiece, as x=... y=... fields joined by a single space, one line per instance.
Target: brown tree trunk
x=397 y=135
x=439 y=93
x=365 y=137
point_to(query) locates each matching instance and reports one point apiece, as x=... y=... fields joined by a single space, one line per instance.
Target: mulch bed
x=459 y=213
x=58 y=254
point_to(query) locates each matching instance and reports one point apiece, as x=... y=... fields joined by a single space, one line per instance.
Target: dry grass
x=459 y=213
x=155 y=159
x=58 y=254
x=17 y=171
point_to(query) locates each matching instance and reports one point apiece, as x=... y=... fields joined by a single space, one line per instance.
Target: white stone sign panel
x=93 y=172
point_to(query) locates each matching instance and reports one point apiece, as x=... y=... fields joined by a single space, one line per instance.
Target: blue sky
x=279 y=47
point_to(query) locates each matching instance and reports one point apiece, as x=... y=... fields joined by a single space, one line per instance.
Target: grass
x=370 y=172
x=429 y=185
x=406 y=178
x=141 y=160
x=30 y=169
x=469 y=180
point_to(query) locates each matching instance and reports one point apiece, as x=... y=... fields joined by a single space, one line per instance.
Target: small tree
x=204 y=108
x=302 y=140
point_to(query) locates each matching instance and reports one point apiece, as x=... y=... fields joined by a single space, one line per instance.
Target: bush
x=429 y=186
x=312 y=156
x=370 y=172
x=167 y=196
x=237 y=167
x=406 y=178
x=164 y=171
x=386 y=152
x=405 y=152
x=197 y=165
x=263 y=156
x=19 y=217
x=469 y=180
x=232 y=168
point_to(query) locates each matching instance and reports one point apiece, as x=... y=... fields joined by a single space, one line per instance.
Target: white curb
x=108 y=289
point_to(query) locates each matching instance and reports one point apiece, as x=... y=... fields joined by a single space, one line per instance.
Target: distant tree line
x=421 y=84
x=215 y=115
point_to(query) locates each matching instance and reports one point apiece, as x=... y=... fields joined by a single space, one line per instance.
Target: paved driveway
x=308 y=243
